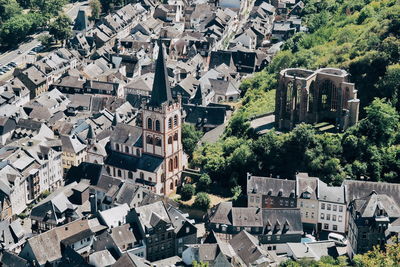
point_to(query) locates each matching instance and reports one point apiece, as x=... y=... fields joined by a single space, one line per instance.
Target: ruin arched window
x=328 y=96
x=149 y=123
x=289 y=96
x=311 y=97
x=158 y=126
x=346 y=98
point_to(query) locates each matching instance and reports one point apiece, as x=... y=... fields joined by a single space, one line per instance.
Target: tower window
x=117 y=147
x=158 y=127
x=176 y=136
x=150 y=123
x=170 y=123
x=176 y=120
x=141 y=175
x=138 y=152
x=119 y=173
x=149 y=139
x=158 y=141
x=130 y=175
x=176 y=162
x=171 y=186
x=171 y=165
x=127 y=149
x=170 y=140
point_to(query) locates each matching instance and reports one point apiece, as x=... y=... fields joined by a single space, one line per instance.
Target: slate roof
x=280 y=217
x=151 y=214
x=115 y=215
x=331 y=193
x=128 y=162
x=85 y=171
x=126 y=134
x=208 y=116
x=247 y=247
x=123 y=236
x=101 y=258
x=220 y=57
x=223 y=87
x=304 y=184
x=360 y=189
x=9 y=259
x=161 y=91
x=130 y=260
x=272 y=186
x=367 y=206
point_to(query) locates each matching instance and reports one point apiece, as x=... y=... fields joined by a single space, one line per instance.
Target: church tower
x=162 y=128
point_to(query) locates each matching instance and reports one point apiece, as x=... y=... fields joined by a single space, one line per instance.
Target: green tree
x=49 y=8
x=187 y=192
x=95 y=7
x=199 y=264
x=379 y=258
x=9 y=9
x=202 y=201
x=203 y=185
x=15 y=29
x=60 y=28
x=45 y=39
x=190 y=138
x=236 y=192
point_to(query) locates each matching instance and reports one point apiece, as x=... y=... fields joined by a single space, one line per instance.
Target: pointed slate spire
x=161 y=92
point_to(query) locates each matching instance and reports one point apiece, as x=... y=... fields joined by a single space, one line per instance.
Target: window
x=170 y=165
x=149 y=139
x=278 y=237
x=127 y=149
x=149 y=124
x=170 y=123
x=326 y=226
x=176 y=162
x=175 y=136
x=334 y=218
x=364 y=236
x=138 y=152
x=340 y=208
x=312 y=214
x=170 y=140
x=176 y=120
x=158 y=127
x=119 y=173
x=187 y=230
x=334 y=227
x=301 y=204
x=171 y=186
x=334 y=208
x=306 y=214
x=340 y=218
x=141 y=175
x=158 y=141
x=323 y=206
x=328 y=217
x=117 y=147
x=130 y=175
x=322 y=216
x=329 y=207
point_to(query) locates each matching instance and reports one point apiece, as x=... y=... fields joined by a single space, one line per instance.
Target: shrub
x=203 y=183
x=202 y=201
x=187 y=192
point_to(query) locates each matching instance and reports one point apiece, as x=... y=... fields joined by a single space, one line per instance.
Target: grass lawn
x=215 y=200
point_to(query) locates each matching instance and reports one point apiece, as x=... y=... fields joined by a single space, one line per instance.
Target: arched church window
x=149 y=139
x=149 y=123
x=170 y=165
x=325 y=95
x=158 y=126
x=127 y=149
x=158 y=141
x=170 y=140
x=175 y=136
x=346 y=97
x=176 y=162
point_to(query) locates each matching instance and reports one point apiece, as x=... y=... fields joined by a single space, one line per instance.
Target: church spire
x=161 y=92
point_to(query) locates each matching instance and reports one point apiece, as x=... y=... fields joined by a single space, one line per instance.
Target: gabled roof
x=161 y=91
x=149 y=215
x=272 y=186
x=368 y=206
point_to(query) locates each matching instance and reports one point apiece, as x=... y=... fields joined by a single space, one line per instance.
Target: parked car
x=338 y=239
x=1 y=72
x=32 y=52
x=13 y=64
x=6 y=68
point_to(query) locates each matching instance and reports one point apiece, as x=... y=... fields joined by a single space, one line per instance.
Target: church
x=151 y=154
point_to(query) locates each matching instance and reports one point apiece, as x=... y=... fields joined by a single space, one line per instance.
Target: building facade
x=308 y=96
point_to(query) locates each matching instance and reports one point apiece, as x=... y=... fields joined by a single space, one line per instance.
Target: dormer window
x=306 y=195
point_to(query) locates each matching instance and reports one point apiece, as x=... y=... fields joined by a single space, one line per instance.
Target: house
x=332 y=208
x=307 y=200
x=130 y=260
x=312 y=251
x=369 y=218
x=115 y=216
x=34 y=79
x=48 y=247
x=266 y=192
x=273 y=227
x=74 y=150
x=225 y=91
x=101 y=258
x=127 y=242
x=13 y=235
x=7 y=127
x=155 y=226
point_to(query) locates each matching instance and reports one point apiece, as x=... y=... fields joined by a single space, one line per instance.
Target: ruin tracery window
x=311 y=97
x=289 y=96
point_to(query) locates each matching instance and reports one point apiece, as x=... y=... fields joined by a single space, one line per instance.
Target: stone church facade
x=324 y=95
